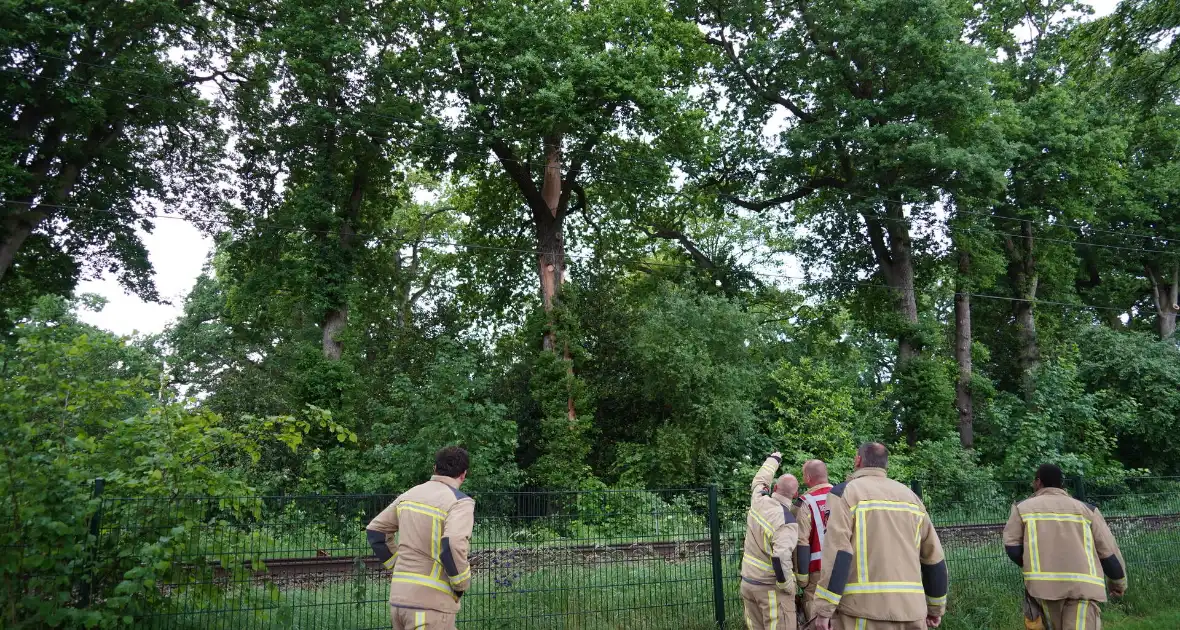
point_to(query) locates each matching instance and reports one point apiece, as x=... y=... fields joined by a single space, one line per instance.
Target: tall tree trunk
x=1022 y=274
x=550 y=240
x=1165 y=292
x=963 y=399
x=892 y=248
x=336 y=318
x=551 y=252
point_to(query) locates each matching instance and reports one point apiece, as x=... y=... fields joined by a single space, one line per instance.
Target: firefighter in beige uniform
x=768 y=583
x=882 y=566
x=433 y=524
x=813 y=520
x=1067 y=554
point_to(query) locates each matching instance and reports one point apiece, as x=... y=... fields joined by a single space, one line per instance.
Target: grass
x=537 y=584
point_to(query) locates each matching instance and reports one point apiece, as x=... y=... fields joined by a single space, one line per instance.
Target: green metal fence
x=651 y=559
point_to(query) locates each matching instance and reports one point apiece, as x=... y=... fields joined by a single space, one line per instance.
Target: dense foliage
x=627 y=243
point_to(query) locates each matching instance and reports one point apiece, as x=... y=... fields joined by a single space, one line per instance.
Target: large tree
x=881 y=111
x=100 y=115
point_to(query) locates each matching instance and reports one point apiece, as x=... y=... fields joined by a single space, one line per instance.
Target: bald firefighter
x=813 y=522
x=1067 y=553
x=882 y=566
x=768 y=583
x=433 y=524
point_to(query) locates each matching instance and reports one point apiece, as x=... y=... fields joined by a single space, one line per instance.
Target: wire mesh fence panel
x=644 y=559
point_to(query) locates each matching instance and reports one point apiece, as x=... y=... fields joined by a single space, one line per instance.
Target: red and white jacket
x=815 y=501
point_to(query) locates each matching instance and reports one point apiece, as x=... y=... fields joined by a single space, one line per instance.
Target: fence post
x=92 y=549
x=916 y=486
x=1079 y=488
x=715 y=543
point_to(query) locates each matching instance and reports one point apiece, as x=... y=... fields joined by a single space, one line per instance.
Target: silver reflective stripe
x=817 y=520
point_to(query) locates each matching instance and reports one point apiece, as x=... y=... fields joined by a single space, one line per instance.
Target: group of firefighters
x=861 y=555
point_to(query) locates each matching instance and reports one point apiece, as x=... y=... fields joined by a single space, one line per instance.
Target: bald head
x=815 y=472
x=787 y=486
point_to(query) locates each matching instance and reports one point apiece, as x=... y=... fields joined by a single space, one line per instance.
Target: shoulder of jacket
x=459 y=494
x=788 y=518
x=838 y=489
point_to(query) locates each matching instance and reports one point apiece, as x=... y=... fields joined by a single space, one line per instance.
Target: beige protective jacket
x=433 y=524
x=771 y=535
x=1064 y=547
x=882 y=559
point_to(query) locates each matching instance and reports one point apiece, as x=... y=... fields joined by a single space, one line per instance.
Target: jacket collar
x=867 y=472
x=1059 y=492
x=781 y=499
x=817 y=487
x=450 y=481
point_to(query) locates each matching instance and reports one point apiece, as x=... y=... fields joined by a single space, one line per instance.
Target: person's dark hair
x=873 y=455
x=451 y=461
x=1050 y=476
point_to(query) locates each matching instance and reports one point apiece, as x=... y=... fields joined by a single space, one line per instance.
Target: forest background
x=628 y=243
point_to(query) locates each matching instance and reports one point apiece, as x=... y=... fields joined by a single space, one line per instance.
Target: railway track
x=330 y=567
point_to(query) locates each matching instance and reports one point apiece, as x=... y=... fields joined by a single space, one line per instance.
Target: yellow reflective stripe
x=918 y=534
x=767 y=530
x=1033 y=547
x=422 y=507
x=801 y=577
x=420 y=620
x=402 y=577
x=827 y=595
x=862 y=553
x=749 y=623
x=388 y=564
x=889 y=506
x=418 y=510
x=1080 y=621
x=1054 y=516
x=884 y=587
x=762 y=521
x=935 y=601
x=861 y=623
x=1063 y=577
x=457 y=579
x=773 y=610
x=1088 y=540
x=436 y=548
x=756 y=562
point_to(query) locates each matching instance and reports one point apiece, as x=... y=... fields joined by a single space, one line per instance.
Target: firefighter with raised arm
x=1067 y=553
x=433 y=524
x=813 y=521
x=882 y=566
x=768 y=582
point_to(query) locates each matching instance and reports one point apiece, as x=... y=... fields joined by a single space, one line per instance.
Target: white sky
x=178 y=251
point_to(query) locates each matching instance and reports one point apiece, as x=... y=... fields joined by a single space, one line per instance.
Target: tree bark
x=17 y=228
x=963 y=398
x=336 y=318
x=1022 y=274
x=550 y=239
x=1165 y=292
x=892 y=249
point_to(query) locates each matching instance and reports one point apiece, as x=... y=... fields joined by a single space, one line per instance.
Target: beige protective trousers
x=809 y=596
x=767 y=608
x=419 y=619
x=844 y=622
x=1071 y=614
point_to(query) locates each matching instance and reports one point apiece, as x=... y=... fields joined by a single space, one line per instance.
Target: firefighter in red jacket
x=813 y=521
